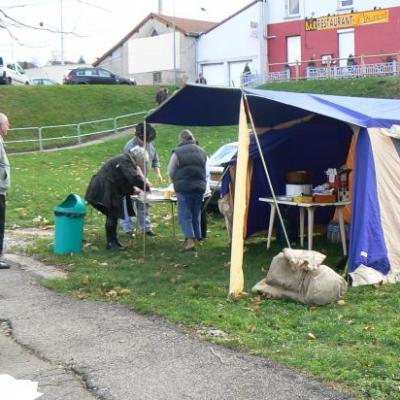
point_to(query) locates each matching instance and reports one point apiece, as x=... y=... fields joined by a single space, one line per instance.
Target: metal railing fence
x=39 y=138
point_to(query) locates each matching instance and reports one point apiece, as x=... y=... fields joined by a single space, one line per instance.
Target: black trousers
x=2 y=220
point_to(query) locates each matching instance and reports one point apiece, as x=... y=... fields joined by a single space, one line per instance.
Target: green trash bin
x=70 y=215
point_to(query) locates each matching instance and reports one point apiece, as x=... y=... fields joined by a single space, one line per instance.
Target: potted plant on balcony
x=351 y=60
x=311 y=63
x=389 y=59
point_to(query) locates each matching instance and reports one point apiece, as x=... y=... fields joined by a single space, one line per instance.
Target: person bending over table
x=116 y=179
x=187 y=170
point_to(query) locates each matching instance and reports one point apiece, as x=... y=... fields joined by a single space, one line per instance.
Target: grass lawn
x=379 y=87
x=354 y=346
x=37 y=106
x=68 y=104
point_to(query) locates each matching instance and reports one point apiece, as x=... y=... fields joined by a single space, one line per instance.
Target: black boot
x=111 y=234
x=118 y=243
x=114 y=245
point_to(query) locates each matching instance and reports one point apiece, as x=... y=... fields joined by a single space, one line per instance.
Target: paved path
x=81 y=350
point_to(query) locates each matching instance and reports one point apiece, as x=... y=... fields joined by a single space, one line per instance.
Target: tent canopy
x=200 y=105
x=311 y=132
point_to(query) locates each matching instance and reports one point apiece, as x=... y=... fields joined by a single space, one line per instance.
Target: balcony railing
x=353 y=71
x=352 y=67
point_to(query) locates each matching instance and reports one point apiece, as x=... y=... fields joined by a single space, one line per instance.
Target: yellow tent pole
x=236 y=282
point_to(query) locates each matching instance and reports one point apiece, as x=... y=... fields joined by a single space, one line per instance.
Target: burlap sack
x=299 y=275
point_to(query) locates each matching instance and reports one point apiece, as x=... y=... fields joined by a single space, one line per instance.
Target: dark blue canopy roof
x=200 y=105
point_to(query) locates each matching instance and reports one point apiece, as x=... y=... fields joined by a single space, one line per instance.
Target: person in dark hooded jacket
x=115 y=180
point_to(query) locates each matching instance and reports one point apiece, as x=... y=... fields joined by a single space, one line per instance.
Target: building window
x=345 y=3
x=156 y=77
x=293 y=7
x=154 y=33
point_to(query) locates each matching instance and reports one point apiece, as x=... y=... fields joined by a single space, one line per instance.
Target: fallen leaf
x=257 y=300
x=125 y=291
x=369 y=328
x=160 y=271
x=311 y=336
x=341 y=302
x=251 y=328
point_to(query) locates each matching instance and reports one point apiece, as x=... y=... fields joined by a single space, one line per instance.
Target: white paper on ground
x=14 y=389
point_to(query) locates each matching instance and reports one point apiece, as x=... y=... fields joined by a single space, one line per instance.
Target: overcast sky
x=100 y=23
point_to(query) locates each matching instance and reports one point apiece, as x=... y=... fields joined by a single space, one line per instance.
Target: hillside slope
x=54 y=105
x=388 y=87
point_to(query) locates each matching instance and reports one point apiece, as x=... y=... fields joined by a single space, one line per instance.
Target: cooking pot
x=294 y=189
x=299 y=177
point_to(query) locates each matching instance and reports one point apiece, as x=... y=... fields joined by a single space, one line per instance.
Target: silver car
x=217 y=165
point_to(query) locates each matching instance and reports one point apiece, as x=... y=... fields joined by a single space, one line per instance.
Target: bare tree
x=8 y=23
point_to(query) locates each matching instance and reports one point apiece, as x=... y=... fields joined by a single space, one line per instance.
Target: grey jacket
x=150 y=148
x=4 y=169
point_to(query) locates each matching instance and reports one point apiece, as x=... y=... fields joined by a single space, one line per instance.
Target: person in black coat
x=161 y=95
x=115 y=180
x=201 y=80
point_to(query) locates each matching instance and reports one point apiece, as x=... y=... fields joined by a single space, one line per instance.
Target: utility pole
x=160 y=6
x=62 y=33
x=174 y=45
x=174 y=50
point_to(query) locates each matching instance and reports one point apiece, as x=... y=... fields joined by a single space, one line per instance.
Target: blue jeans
x=189 y=210
x=143 y=216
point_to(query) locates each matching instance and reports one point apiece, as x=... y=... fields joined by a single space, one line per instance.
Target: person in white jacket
x=4 y=183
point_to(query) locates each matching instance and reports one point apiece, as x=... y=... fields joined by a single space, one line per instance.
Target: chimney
x=159 y=6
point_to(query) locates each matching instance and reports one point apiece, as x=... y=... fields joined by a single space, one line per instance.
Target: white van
x=11 y=73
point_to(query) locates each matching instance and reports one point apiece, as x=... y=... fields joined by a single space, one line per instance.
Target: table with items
x=310 y=207
x=158 y=196
x=335 y=192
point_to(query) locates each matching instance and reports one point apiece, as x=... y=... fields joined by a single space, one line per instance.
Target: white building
x=224 y=50
x=159 y=50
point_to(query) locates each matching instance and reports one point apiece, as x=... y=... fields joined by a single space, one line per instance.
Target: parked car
x=98 y=76
x=217 y=165
x=43 y=81
x=12 y=73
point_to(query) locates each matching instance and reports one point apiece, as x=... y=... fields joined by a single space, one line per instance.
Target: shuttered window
x=293 y=7
x=345 y=3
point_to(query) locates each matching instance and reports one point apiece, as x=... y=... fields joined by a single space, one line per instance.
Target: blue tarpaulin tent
x=302 y=131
